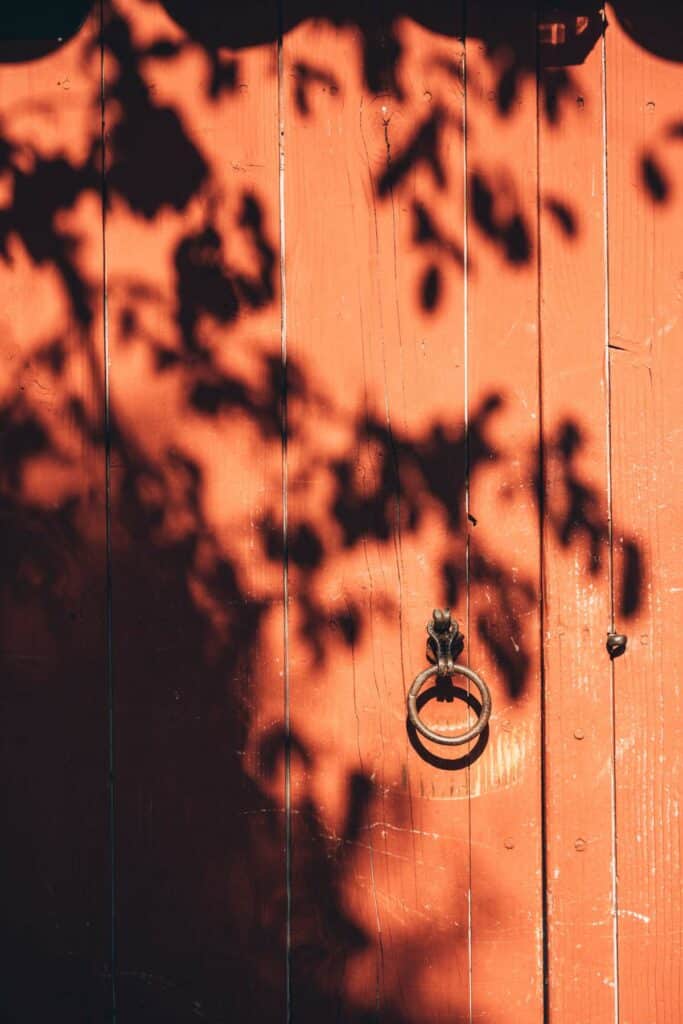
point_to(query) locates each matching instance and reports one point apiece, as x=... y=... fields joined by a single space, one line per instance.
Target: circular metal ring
x=438 y=737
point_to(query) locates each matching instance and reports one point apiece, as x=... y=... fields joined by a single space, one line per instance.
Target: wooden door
x=315 y=318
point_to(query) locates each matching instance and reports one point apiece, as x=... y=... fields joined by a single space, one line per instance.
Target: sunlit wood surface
x=314 y=318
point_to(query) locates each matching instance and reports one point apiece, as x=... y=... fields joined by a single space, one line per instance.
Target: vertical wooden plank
x=194 y=327
x=504 y=543
x=646 y=345
x=54 y=882
x=376 y=513
x=576 y=581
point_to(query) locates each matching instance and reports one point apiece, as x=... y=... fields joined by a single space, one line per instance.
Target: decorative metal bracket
x=445 y=641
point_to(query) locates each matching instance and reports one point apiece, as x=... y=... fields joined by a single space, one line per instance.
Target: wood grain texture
x=54 y=889
x=645 y=296
x=382 y=311
x=376 y=512
x=576 y=565
x=504 y=542
x=192 y=243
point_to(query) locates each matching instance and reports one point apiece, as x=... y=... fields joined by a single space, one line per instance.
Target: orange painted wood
x=373 y=172
x=54 y=888
x=192 y=243
x=504 y=542
x=579 y=770
x=229 y=512
x=645 y=247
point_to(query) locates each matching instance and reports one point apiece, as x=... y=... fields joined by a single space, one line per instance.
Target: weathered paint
x=312 y=324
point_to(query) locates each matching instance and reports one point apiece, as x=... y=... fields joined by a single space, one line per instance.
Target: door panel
x=645 y=249
x=316 y=318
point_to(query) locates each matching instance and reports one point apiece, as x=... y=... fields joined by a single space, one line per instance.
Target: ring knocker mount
x=444 y=643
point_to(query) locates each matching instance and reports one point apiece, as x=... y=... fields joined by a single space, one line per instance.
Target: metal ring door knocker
x=443 y=646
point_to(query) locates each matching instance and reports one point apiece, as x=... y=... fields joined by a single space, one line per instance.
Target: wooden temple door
x=314 y=318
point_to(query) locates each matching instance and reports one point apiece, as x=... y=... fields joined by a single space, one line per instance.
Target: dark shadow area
x=657 y=27
x=577 y=516
x=654 y=178
x=510 y=232
x=567 y=32
x=201 y=899
x=562 y=214
x=32 y=30
x=657 y=162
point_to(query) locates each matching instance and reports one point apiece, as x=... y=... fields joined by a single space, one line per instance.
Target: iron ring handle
x=438 y=737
